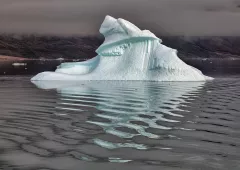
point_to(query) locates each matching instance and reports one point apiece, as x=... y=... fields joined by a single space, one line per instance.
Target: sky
x=84 y=17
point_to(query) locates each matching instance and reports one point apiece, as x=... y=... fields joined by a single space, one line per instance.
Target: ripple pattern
x=115 y=125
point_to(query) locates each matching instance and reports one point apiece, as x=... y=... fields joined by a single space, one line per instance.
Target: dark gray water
x=120 y=125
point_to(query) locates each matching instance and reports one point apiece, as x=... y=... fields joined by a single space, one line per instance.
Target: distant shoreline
x=31 y=54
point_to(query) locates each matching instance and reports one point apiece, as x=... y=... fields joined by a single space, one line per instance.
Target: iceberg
x=128 y=53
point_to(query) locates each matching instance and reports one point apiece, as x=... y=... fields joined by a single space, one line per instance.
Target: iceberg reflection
x=125 y=109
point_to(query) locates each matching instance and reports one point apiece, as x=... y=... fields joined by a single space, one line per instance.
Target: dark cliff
x=205 y=47
x=52 y=47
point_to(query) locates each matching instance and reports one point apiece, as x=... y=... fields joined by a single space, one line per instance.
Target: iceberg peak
x=128 y=53
x=107 y=24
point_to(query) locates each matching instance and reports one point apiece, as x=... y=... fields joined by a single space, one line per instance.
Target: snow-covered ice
x=127 y=53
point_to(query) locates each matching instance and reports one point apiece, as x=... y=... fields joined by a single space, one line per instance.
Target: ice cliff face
x=127 y=53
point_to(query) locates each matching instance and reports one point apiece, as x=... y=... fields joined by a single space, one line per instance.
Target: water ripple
x=115 y=125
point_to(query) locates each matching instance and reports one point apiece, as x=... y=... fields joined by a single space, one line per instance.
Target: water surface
x=116 y=125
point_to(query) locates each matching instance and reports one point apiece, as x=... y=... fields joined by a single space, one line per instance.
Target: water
x=116 y=125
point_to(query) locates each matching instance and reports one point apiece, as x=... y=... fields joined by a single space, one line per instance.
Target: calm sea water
x=120 y=125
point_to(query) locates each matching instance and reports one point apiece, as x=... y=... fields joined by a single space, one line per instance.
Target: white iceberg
x=127 y=53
